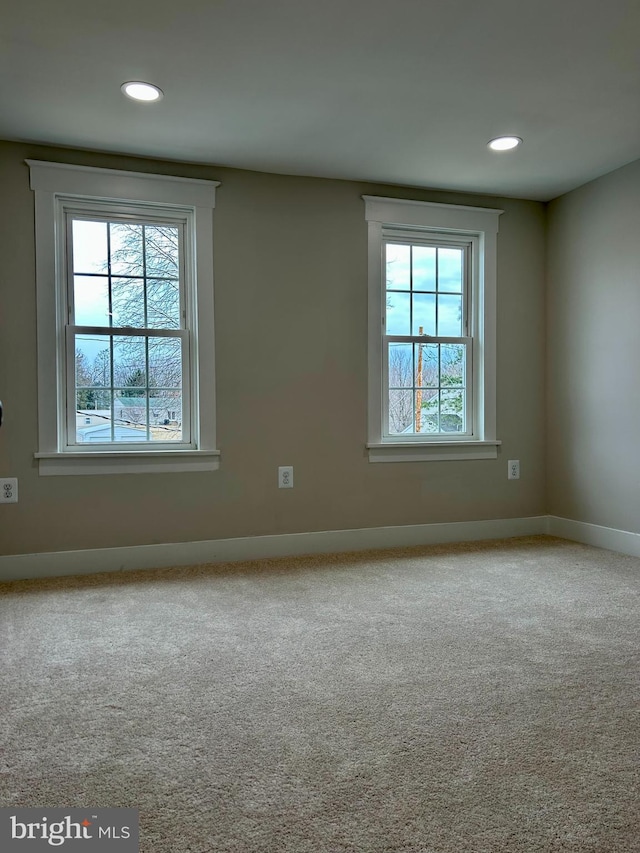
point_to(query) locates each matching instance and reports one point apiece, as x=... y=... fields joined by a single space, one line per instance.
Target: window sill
x=432 y=451
x=127 y=462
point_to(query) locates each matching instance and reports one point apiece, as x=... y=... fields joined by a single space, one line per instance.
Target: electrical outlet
x=285 y=477
x=513 y=470
x=9 y=490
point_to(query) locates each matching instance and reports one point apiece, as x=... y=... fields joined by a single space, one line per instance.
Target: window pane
x=163 y=304
x=452 y=411
x=400 y=366
x=101 y=367
x=126 y=249
x=400 y=411
x=130 y=414
x=452 y=364
x=91 y=300
x=424 y=314
x=426 y=362
x=450 y=270
x=86 y=403
x=426 y=410
x=424 y=268
x=129 y=364
x=83 y=370
x=398 y=314
x=450 y=316
x=93 y=416
x=398 y=267
x=93 y=363
x=127 y=302
x=165 y=415
x=89 y=246
x=161 y=249
x=165 y=362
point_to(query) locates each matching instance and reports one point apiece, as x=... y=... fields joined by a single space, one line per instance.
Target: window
x=432 y=283
x=427 y=349
x=125 y=321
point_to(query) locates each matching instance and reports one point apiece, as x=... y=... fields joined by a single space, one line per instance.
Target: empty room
x=320 y=405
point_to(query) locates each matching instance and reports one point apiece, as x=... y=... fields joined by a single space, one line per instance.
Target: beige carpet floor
x=476 y=698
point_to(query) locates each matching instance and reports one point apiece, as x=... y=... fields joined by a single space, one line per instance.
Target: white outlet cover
x=285 y=477
x=9 y=490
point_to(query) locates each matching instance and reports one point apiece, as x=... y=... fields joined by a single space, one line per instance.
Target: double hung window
x=427 y=349
x=432 y=285
x=125 y=321
x=127 y=339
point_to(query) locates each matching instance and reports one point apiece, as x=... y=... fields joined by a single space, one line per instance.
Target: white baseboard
x=594 y=534
x=59 y=563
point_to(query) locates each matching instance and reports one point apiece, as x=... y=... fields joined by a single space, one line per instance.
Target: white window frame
x=60 y=189
x=416 y=220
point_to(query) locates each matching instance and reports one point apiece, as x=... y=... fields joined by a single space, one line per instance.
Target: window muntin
x=427 y=348
x=126 y=273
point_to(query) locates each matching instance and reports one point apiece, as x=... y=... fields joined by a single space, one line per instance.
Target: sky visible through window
x=424 y=290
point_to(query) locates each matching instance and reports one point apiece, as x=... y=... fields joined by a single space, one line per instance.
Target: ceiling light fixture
x=138 y=91
x=504 y=143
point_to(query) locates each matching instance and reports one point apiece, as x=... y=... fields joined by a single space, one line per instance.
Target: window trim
x=57 y=184
x=387 y=216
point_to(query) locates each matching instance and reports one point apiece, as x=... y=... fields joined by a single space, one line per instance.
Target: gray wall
x=290 y=267
x=593 y=355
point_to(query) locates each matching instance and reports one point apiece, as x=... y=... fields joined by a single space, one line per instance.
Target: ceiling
x=406 y=92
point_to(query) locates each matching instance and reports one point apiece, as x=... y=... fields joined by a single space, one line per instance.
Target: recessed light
x=138 y=91
x=504 y=143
